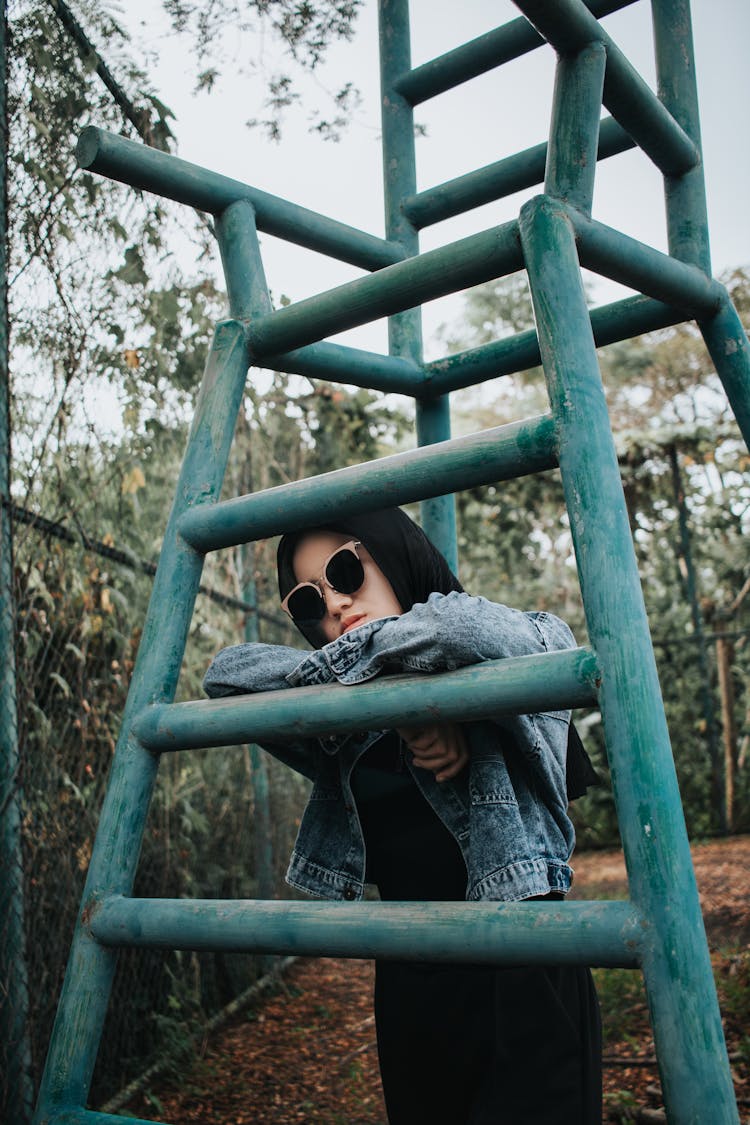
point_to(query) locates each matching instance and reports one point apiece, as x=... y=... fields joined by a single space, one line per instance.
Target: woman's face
x=375 y=597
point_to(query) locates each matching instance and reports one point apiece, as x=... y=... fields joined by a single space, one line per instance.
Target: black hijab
x=401 y=550
x=415 y=569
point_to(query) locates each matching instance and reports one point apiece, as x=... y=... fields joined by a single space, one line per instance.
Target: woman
x=443 y=812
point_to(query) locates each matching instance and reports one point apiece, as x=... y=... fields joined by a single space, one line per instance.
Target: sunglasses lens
x=306 y=604
x=345 y=571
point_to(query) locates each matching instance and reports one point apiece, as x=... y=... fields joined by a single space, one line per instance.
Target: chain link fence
x=80 y=606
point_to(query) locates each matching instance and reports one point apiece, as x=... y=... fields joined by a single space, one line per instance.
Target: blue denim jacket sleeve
x=446 y=632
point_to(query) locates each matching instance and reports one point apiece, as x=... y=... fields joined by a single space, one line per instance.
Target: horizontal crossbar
x=359 y=368
x=80 y=1116
x=617 y=321
x=495 y=181
x=618 y=256
x=550 y=681
x=569 y=27
x=484 y=53
x=163 y=174
x=516 y=449
x=468 y=261
x=502 y=933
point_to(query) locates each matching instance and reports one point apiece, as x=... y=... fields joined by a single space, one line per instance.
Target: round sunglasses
x=342 y=571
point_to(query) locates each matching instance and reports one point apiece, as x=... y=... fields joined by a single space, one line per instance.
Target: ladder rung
x=610 y=323
x=359 y=368
x=496 y=181
x=507 y=451
x=501 y=45
x=550 y=681
x=468 y=261
x=79 y=1116
x=506 y=933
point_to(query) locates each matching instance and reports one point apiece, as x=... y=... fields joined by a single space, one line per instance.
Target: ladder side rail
x=161 y=173
x=502 y=178
x=687 y=1026
x=728 y=346
x=399 y=180
x=434 y=273
x=83 y=1001
x=486 y=52
x=88 y=980
x=687 y=219
x=491 y=933
x=609 y=323
x=685 y=195
x=574 y=129
x=568 y=26
x=515 y=449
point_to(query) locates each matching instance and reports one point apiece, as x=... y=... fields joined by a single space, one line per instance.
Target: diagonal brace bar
x=569 y=27
x=163 y=174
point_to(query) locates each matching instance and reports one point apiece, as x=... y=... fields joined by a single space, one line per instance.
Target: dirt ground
x=308 y=1054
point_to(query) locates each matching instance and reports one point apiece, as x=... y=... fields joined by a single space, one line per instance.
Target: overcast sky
x=483 y=121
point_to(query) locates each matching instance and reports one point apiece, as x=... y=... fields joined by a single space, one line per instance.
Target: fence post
x=16 y=1095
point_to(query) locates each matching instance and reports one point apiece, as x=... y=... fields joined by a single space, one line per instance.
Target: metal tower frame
x=660 y=929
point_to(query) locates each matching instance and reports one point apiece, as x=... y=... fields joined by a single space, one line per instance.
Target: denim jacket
x=507 y=809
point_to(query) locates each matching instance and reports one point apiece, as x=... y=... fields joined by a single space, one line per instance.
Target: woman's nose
x=336 y=601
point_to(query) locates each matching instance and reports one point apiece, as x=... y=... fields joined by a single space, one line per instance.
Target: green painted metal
x=574 y=133
x=496 y=181
x=569 y=27
x=16 y=1093
x=479 y=257
x=690 y=1045
x=516 y=449
x=728 y=347
x=661 y=929
x=358 y=368
x=482 y=54
x=687 y=218
x=609 y=323
x=83 y=1002
x=523 y=684
x=399 y=182
x=513 y=933
x=149 y=169
x=616 y=255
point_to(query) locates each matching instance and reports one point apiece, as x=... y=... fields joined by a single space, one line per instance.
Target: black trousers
x=488 y=1046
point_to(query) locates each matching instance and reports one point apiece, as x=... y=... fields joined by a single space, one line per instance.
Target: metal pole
x=399 y=176
x=685 y=195
x=16 y=1095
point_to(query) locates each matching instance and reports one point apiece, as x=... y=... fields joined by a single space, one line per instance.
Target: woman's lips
x=349 y=622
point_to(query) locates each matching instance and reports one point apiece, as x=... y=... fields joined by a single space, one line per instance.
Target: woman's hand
x=440 y=747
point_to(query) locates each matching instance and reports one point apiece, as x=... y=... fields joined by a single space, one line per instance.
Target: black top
x=411 y=855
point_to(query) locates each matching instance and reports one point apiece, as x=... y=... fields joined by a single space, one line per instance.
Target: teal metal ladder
x=660 y=928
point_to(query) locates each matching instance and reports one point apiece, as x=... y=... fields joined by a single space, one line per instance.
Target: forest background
x=113 y=297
